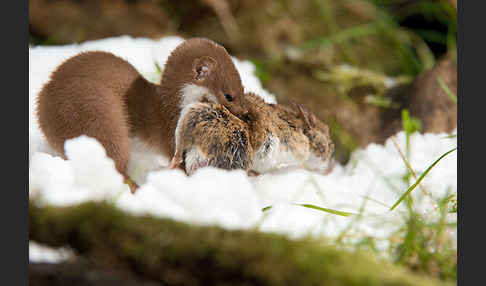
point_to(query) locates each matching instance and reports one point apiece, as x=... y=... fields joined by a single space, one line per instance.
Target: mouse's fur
x=287 y=136
x=209 y=135
x=103 y=96
x=279 y=136
x=320 y=148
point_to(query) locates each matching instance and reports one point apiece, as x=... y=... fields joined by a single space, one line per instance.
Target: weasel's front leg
x=131 y=184
x=177 y=160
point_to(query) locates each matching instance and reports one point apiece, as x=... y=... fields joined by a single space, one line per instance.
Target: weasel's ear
x=203 y=67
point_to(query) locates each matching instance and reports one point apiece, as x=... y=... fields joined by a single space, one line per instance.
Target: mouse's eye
x=228 y=97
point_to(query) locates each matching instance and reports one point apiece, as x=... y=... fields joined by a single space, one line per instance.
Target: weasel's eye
x=228 y=97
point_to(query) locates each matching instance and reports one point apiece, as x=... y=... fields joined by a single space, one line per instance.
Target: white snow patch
x=372 y=179
x=39 y=253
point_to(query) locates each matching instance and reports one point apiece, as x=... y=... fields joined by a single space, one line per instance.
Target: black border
x=460 y=138
x=471 y=90
x=14 y=116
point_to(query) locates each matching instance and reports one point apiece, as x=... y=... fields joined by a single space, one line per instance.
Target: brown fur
x=159 y=127
x=103 y=96
x=294 y=125
x=86 y=95
x=210 y=128
x=300 y=131
x=222 y=139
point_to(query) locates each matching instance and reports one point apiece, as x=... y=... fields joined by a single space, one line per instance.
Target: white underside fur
x=191 y=94
x=194 y=160
x=277 y=157
x=194 y=93
x=316 y=164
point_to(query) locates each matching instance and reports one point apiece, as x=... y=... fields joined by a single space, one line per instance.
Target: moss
x=180 y=254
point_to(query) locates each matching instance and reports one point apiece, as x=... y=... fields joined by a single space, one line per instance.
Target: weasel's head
x=321 y=147
x=201 y=70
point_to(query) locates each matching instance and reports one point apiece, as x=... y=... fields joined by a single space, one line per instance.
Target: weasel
x=103 y=96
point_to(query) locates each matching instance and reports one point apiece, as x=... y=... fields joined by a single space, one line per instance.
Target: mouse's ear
x=304 y=115
x=203 y=67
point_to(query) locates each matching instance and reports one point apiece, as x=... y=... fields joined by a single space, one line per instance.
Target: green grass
x=421 y=244
x=381 y=101
x=342 y=36
x=311 y=206
x=410 y=125
x=425 y=246
x=261 y=71
x=412 y=187
x=331 y=211
x=450 y=136
x=37 y=41
x=446 y=89
x=158 y=68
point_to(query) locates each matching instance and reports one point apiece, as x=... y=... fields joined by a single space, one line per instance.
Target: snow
x=372 y=179
x=40 y=253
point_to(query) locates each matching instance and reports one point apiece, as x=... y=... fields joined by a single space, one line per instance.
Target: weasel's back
x=90 y=71
x=85 y=95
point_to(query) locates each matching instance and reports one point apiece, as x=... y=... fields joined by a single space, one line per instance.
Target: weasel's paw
x=252 y=173
x=175 y=163
x=132 y=185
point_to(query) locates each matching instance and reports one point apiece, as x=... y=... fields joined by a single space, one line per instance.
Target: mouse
x=103 y=96
x=300 y=119
x=269 y=137
x=287 y=137
x=209 y=135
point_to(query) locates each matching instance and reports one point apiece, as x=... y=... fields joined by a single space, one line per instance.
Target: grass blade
x=343 y=35
x=409 y=167
x=450 y=136
x=412 y=187
x=266 y=208
x=336 y=212
x=446 y=89
x=159 y=70
x=341 y=213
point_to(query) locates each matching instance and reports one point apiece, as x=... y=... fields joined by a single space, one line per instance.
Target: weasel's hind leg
x=68 y=114
x=111 y=129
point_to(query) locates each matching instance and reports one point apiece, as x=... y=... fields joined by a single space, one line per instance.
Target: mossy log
x=176 y=253
x=81 y=273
